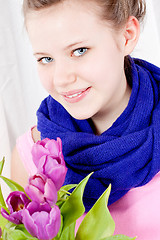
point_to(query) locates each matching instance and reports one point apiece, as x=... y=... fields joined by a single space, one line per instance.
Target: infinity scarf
x=127 y=155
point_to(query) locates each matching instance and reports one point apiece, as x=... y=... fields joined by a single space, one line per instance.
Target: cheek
x=100 y=64
x=97 y=70
x=90 y=69
x=106 y=72
x=45 y=79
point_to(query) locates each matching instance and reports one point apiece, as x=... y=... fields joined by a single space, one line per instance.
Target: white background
x=20 y=90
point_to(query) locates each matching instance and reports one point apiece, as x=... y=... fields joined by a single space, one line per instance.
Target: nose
x=64 y=74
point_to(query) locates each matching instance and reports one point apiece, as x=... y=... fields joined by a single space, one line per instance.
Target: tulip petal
x=41 y=219
x=41 y=164
x=38 y=151
x=16 y=198
x=29 y=223
x=44 y=141
x=53 y=147
x=38 y=180
x=10 y=217
x=36 y=207
x=54 y=224
x=57 y=174
x=50 y=192
x=59 y=141
x=35 y=194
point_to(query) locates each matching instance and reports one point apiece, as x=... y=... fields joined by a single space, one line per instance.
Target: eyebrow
x=40 y=53
x=67 y=47
x=75 y=43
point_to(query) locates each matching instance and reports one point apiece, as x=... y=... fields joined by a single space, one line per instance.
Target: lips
x=76 y=95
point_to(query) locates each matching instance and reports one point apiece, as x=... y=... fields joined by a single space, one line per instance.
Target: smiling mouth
x=75 y=96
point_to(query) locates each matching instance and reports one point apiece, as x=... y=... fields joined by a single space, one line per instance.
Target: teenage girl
x=102 y=103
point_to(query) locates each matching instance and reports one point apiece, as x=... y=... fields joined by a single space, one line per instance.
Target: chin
x=82 y=112
x=80 y=116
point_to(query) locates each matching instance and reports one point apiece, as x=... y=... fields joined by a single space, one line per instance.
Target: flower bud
x=41 y=220
x=41 y=189
x=49 y=160
x=16 y=202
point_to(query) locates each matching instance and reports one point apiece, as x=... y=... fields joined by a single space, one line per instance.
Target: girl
x=103 y=104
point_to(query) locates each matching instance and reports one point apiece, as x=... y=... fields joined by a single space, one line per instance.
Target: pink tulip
x=47 y=147
x=16 y=202
x=41 y=220
x=48 y=157
x=41 y=189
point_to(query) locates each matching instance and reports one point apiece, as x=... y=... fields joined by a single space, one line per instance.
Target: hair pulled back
x=115 y=11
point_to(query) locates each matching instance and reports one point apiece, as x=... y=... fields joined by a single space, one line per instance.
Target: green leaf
x=24 y=231
x=3 y=222
x=63 y=194
x=2 y=165
x=8 y=228
x=119 y=237
x=2 y=202
x=73 y=207
x=68 y=233
x=17 y=235
x=63 y=190
x=13 y=185
x=16 y=232
x=99 y=219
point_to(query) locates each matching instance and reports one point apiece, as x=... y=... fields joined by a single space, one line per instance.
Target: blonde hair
x=115 y=11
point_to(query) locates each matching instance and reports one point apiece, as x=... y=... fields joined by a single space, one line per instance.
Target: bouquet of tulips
x=46 y=209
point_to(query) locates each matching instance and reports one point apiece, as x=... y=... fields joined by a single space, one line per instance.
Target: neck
x=104 y=120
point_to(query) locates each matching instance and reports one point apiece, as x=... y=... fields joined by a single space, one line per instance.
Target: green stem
x=64 y=191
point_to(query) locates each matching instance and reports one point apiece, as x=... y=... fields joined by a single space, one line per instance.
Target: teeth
x=74 y=95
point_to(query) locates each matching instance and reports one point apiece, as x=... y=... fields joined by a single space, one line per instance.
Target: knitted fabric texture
x=127 y=155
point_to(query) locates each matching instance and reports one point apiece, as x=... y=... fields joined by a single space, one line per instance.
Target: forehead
x=65 y=21
x=61 y=13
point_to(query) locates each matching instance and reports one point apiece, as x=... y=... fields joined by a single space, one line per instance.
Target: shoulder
x=35 y=134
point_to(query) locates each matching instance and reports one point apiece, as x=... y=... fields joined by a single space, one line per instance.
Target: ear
x=131 y=34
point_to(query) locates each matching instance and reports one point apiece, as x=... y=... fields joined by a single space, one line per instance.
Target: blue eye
x=46 y=60
x=79 y=52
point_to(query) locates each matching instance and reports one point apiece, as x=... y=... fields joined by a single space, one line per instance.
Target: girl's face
x=80 y=58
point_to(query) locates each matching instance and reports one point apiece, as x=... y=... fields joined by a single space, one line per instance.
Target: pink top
x=24 y=145
x=135 y=214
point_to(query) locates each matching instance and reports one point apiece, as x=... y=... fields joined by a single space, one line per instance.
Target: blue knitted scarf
x=127 y=155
